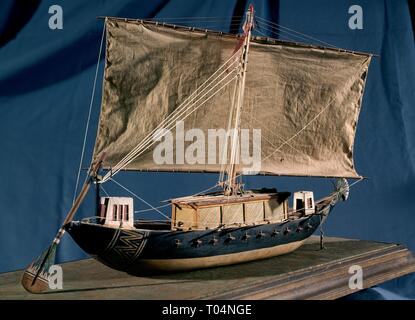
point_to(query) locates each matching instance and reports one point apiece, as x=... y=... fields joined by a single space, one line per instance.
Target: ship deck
x=308 y=273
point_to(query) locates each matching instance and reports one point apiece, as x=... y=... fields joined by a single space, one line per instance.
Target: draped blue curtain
x=46 y=79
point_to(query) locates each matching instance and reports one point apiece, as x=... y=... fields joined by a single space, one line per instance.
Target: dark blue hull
x=141 y=249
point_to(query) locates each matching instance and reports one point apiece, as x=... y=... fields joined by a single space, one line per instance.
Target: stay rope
x=272 y=26
x=89 y=118
x=141 y=199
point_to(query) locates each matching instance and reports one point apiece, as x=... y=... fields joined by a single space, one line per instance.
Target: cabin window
x=102 y=210
x=309 y=203
x=126 y=213
x=121 y=213
x=114 y=212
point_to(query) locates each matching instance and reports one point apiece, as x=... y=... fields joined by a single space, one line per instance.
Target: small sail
x=304 y=100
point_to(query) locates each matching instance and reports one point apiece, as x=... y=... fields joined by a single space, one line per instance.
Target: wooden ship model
x=305 y=99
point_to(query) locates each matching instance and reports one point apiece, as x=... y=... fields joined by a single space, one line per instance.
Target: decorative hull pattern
x=142 y=250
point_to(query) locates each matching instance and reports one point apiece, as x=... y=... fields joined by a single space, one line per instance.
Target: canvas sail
x=305 y=100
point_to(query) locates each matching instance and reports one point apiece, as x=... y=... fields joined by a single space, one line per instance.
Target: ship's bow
x=92 y=238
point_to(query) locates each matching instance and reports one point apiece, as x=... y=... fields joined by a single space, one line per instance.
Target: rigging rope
x=303 y=128
x=275 y=135
x=283 y=38
x=105 y=191
x=260 y=22
x=139 y=198
x=224 y=167
x=89 y=117
x=277 y=26
x=151 y=209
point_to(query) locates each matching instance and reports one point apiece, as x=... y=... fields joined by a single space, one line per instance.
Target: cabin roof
x=220 y=198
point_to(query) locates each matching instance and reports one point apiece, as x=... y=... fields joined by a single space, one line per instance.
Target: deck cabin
x=213 y=211
x=117 y=211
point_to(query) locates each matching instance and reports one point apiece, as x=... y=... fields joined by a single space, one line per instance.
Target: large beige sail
x=306 y=101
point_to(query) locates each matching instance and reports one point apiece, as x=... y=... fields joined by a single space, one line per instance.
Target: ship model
x=300 y=101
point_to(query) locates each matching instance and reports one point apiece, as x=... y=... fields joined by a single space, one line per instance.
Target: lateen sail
x=305 y=100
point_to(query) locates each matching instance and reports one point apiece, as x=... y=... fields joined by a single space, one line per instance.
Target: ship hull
x=176 y=265
x=142 y=250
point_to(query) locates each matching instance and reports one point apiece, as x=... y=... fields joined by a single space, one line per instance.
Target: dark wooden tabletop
x=308 y=273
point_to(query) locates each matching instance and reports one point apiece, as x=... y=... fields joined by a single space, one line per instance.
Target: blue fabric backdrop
x=46 y=79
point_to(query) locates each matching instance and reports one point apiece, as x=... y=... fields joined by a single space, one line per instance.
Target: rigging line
x=232 y=180
x=109 y=174
x=225 y=152
x=271 y=142
x=206 y=190
x=139 y=198
x=146 y=141
x=352 y=184
x=105 y=191
x=282 y=37
x=198 y=193
x=267 y=27
x=278 y=137
x=184 y=105
x=294 y=31
x=89 y=118
x=303 y=128
x=151 y=209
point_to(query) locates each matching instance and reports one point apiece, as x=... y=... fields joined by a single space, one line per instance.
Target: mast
x=231 y=184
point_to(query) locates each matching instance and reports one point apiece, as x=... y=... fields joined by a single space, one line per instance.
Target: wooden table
x=308 y=273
